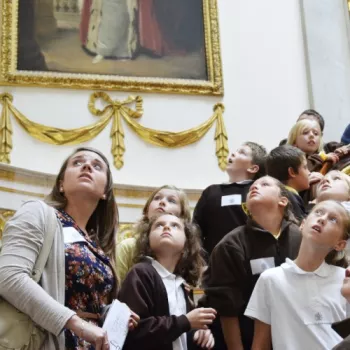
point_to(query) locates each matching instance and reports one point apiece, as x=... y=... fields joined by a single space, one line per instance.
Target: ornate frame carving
x=9 y=75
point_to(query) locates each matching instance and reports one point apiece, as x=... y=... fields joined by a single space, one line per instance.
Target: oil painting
x=139 y=45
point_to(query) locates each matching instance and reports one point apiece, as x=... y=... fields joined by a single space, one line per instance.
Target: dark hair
x=191 y=263
x=314 y=113
x=288 y=210
x=281 y=158
x=102 y=224
x=258 y=157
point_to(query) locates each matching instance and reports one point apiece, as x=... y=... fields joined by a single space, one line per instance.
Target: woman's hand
x=133 y=321
x=204 y=338
x=88 y=332
x=201 y=317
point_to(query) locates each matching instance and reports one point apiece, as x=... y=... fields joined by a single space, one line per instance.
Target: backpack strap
x=50 y=229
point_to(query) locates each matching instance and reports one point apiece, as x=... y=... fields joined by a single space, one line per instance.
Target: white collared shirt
x=176 y=298
x=300 y=306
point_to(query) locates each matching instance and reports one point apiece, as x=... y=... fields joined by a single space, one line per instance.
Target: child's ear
x=253 y=169
x=291 y=172
x=302 y=224
x=340 y=245
x=283 y=202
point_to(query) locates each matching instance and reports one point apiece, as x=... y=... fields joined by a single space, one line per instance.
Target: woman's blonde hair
x=299 y=128
x=102 y=224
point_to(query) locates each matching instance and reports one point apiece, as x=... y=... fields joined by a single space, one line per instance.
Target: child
x=165 y=199
x=309 y=114
x=169 y=252
x=268 y=238
x=307 y=136
x=219 y=210
x=288 y=165
x=295 y=304
x=335 y=186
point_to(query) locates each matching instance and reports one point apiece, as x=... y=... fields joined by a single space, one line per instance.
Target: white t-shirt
x=300 y=306
x=176 y=298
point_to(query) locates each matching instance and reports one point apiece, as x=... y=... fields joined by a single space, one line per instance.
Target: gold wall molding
x=118 y=111
x=46 y=181
x=5 y=214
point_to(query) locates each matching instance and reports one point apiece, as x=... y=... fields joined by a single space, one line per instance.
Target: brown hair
x=281 y=158
x=102 y=224
x=288 y=212
x=259 y=154
x=191 y=263
x=334 y=257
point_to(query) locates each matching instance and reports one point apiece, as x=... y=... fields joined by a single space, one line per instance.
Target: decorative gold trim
x=5 y=214
x=25 y=193
x=118 y=110
x=47 y=181
x=9 y=74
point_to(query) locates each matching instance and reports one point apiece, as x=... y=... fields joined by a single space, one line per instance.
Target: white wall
x=328 y=52
x=265 y=89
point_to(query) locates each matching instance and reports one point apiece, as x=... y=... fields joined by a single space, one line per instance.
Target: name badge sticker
x=71 y=235
x=258 y=266
x=233 y=199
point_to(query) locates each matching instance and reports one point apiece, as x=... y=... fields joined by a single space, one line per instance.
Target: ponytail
x=337 y=258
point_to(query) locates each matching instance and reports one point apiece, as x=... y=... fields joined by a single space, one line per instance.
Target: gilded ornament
x=118 y=111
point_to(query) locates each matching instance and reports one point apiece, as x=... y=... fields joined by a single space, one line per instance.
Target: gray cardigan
x=22 y=240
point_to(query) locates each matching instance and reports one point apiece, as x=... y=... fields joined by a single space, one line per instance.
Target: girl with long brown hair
x=169 y=254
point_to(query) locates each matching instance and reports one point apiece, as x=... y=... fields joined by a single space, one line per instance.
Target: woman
x=78 y=280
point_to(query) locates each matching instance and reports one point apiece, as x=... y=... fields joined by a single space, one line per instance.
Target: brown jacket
x=144 y=292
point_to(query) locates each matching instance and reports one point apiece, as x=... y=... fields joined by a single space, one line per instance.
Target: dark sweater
x=229 y=281
x=144 y=292
x=297 y=204
x=216 y=220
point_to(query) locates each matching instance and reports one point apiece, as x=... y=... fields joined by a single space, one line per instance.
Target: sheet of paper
x=117 y=324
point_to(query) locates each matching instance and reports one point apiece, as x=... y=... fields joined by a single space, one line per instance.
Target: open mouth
x=316 y=228
x=325 y=187
x=253 y=193
x=86 y=176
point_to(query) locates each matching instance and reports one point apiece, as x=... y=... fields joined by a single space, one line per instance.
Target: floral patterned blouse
x=89 y=276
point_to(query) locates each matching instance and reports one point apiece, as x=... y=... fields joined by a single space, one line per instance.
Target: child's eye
x=175 y=225
x=77 y=162
x=319 y=212
x=155 y=198
x=97 y=166
x=172 y=200
x=265 y=184
x=333 y=219
x=159 y=224
x=337 y=178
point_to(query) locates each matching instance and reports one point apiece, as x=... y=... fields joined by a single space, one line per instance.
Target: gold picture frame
x=11 y=75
